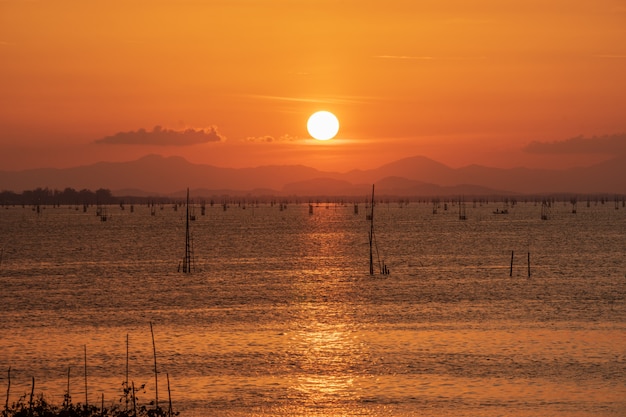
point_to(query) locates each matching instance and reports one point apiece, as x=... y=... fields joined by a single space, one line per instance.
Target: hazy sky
x=232 y=82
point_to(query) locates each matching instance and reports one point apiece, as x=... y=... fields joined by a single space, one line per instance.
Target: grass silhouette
x=31 y=405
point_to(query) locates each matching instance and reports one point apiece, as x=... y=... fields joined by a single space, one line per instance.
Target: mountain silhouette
x=412 y=176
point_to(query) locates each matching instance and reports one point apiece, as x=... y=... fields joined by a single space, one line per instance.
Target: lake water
x=281 y=316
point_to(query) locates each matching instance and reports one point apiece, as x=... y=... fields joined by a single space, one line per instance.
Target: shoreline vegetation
x=102 y=196
x=128 y=405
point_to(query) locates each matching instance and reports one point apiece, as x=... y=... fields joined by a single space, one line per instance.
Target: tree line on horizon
x=69 y=196
x=102 y=196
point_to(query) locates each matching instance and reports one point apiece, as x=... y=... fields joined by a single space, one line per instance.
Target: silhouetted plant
x=40 y=407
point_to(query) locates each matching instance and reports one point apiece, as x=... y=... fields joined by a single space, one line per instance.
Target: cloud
x=607 y=144
x=266 y=138
x=164 y=137
x=272 y=139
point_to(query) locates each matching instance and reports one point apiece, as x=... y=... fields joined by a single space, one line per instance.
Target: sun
x=323 y=125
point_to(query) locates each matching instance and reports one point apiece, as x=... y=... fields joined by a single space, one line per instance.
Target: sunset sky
x=232 y=82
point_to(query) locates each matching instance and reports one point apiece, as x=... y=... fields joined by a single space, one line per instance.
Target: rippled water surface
x=281 y=316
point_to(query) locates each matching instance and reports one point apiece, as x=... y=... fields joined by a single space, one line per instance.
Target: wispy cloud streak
x=272 y=139
x=607 y=144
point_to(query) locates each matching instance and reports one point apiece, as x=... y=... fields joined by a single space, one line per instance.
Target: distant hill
x=417 y=168
x=321 y=187
x=413 y=176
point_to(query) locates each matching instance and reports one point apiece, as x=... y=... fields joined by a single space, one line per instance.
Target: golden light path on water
x=326 y=335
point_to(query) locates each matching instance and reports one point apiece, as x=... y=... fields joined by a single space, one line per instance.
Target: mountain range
x=412 y=176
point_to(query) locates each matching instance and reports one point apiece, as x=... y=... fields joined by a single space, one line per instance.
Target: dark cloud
x=607 y=144
x=271 y=139
x=164 y=137
x=266 y=138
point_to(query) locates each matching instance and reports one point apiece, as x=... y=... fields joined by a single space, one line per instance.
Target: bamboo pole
x=156 y=381
x=188 y=251
x=67 y=393
x=126 y=386
x=86 y=396
x=372 y=234
x=6 y=404
x=32 y=394
x=169 y=396
x=134 y=402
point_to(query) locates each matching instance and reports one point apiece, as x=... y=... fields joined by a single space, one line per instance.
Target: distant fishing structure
x=435 y=202
x=462 y=214
x=545 y=210
x=188 y=265
x=101 y=211
x=512 y=256
x=383 y=270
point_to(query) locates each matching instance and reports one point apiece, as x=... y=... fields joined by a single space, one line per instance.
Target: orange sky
x=459 y=81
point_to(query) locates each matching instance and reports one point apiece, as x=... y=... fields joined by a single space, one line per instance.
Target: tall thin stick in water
x=126 y=386
x=372 y=234
x=66 y=403
x=32 y=394
x=86 y=396
x=511 y=271
x=156 y=381
x=6 y=404
x=169 y=396
x=134 y=402
x=529 y=264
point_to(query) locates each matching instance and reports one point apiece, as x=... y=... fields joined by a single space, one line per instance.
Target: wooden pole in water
x=511 y=271
x=134 y=401
x=187 y=260
x=529 y=264
x=156 y=382
x=6 y=404
x=32 y=394
x=169 y=396
x=372 y=234
x=67 y=394
x=86 y=397
x=126 y=386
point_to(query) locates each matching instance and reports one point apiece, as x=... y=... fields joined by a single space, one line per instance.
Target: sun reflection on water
x=325 y=333
x=329 y=350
